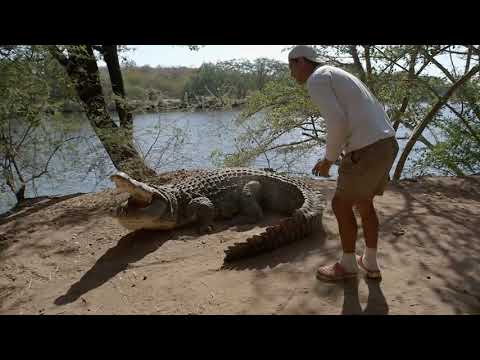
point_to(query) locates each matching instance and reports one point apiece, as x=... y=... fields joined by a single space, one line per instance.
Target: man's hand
x=322 y=168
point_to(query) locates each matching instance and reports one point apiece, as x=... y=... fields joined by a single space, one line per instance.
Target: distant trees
x=233 y=79
x=153 y=83
x=227 y=80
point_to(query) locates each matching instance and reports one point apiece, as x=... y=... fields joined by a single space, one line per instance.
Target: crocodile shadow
x=130 y=249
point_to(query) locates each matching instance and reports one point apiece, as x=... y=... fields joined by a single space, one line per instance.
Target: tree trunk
x=469 y=57
x=81 y=67
x=429 y=117
x=10 y=178
x=368 y=65
x=110 y=56
x=358 y=63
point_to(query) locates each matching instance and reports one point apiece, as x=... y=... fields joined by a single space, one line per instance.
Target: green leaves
x=403 y=79
x=459 y=147
x=29 y=137
x=272 y=116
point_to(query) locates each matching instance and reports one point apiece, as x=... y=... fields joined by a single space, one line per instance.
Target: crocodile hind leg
x=202 y=209
x=251 y=210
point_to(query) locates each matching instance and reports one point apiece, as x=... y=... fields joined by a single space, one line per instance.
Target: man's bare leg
x=347 y=226
x=369 y=222
x=370 y=230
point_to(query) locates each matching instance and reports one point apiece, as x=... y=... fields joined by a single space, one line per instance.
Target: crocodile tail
x=294 y=228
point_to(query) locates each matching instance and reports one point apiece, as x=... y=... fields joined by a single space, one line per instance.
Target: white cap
x=304 y=51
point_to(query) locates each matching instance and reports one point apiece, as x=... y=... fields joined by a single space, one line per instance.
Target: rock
x=398 y=232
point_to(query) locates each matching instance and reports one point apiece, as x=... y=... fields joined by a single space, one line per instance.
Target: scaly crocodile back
x=294 y=228
x=280 y=192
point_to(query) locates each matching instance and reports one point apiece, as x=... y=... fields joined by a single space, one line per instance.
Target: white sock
x=349 y=262
x=370 y=259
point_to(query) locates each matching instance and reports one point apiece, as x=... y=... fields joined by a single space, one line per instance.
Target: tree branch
x=469 y=57
x=475 y=50
x=427 y=62
x=57 y=54
x=453 y=65
x=44 y=171
x=406 y=99
x=440 y=66
x=470 y=100
x=358 y=64
x=390 y=59
x=290 y=144
x=465 y=122
x=24 y=136
x=392 y=63
x=99 y=48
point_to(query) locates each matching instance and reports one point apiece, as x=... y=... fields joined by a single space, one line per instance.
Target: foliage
x=234 y=79
x=458 y=144
x=30 y=135
x=147 y=83
x=412 y=84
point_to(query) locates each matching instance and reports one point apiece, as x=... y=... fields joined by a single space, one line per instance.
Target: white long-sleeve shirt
x=353 y=116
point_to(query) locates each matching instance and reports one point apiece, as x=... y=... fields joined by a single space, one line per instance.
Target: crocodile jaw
x=129 y=215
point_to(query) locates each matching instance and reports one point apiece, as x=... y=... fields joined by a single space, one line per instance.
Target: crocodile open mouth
x=126 y=190
x=123 y=199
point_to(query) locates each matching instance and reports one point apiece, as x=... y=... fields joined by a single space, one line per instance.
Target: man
x=357 y=125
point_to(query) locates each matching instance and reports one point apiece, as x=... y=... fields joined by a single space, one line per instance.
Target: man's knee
x=366 y=209
x=340 y=205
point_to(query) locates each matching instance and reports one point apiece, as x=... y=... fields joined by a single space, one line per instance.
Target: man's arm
x=322 y=94
x=322 y=168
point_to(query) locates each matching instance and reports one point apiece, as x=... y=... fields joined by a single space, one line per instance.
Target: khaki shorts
x=364 y=173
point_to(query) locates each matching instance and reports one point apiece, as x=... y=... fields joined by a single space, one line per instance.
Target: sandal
x=334 y=272
x=371 y=274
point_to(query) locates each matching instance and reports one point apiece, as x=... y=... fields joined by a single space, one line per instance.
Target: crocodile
x=229 y=193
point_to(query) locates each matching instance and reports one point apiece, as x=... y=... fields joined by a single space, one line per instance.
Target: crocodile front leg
x=203 y=210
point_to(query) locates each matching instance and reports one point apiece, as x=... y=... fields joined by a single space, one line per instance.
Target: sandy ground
x=66 y=256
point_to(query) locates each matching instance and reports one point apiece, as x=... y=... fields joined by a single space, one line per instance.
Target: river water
x=170 y=141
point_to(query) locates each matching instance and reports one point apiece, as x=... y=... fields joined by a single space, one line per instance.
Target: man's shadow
x=376 y=302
